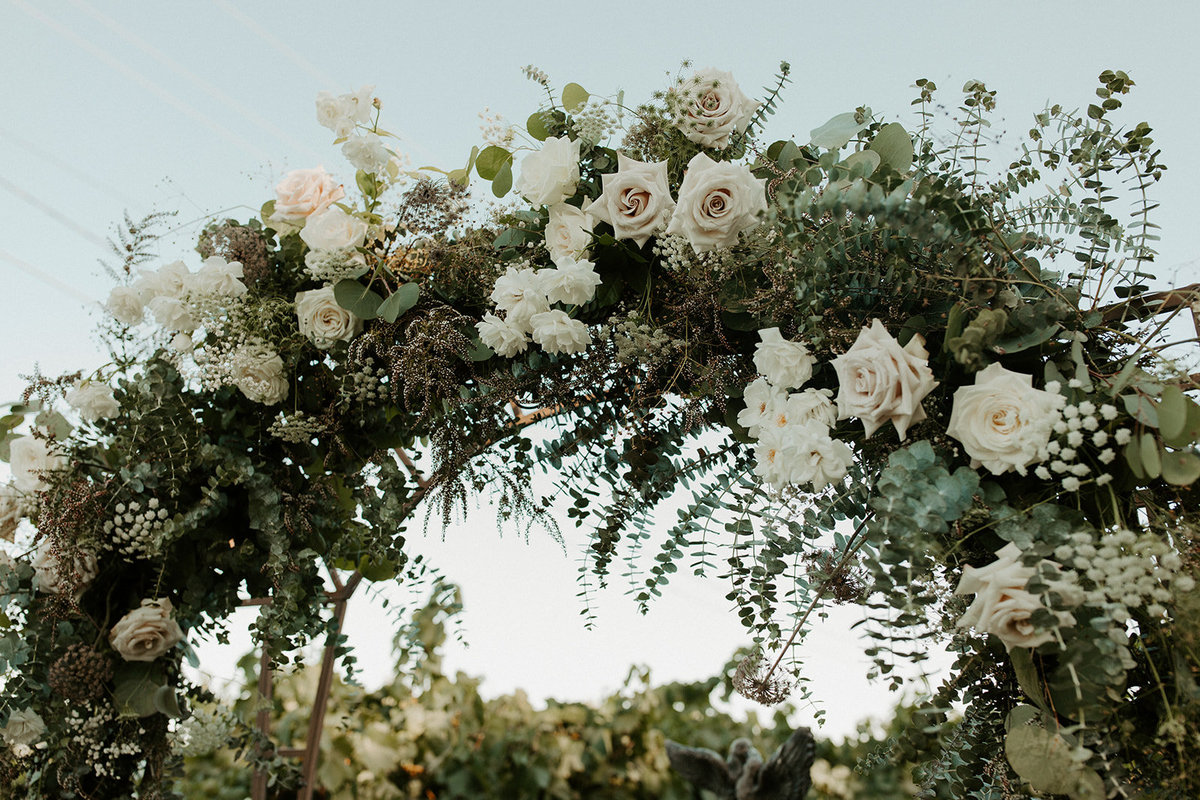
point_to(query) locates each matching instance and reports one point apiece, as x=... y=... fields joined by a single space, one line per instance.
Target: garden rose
x=1002 y=606
x=340 y=113
x=126 y=305
x=24 y=727
x=558 y=333
x=169 y=280
x=322 y=320
x=636 y=199
x=811 y=405
x=784 y=363
x=304 y=192
x=711 y=108
x=801 y=453
x=1002 y=421
x=717 y=201
x=147 y=632
x=172 y=314
x=549 y=175
x=53 y=577
x=29 y=457
x=333 y=229
x=762 y=402
x=366 y=152
x=518 y=292
x=572 y=282
x=258 y=372
x=93 y=400
x=879 y=381
x=568 y=233
x=217 y=278
x=504 y=338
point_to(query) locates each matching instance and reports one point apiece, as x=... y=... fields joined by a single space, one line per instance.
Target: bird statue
x=743 y=775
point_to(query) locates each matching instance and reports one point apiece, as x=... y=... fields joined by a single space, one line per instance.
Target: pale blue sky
x=200 y=106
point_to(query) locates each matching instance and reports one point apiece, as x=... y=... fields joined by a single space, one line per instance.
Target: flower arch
x=857 y=369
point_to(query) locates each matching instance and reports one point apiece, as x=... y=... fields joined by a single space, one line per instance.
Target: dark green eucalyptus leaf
x=503 y=182
x=357 y=299
x=399 y=301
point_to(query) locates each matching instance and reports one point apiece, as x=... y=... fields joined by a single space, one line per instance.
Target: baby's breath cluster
x=90 y=725
x=135 y=530
x=637 y=341
x=595 y=122
x=494 y=129
x=1126 y=571
x=208 y=728
x=366 y=385
x=1082 y=444
x=296 y=427
x=331 y=266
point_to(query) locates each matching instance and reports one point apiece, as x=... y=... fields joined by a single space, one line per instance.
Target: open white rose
x=333 y=229
x=217 y=278
x=784 y=363
x=801 y=453
x=322 y=320
x=169 y=280
x=55 y=577
x=636 y=199
x=711 y=107
x=126 y=305
x=304 y=192
x=1002 y=421
x=336 y=112
x=257 y=371
x=519 y=293
x=763 y=401
x=29 y=458
x=550 y=175
x=24 y=727
x=503 y=337
x=568 y=233
x=147 y=632
x=879 y=381
x=366 y=152
x=571 y=282
x=93 y=400
x=558 y=333
x=1002 y=606
x=172 y=314
x=717 y=201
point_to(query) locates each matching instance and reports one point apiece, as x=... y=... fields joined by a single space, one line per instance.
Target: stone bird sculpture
x=743 y=775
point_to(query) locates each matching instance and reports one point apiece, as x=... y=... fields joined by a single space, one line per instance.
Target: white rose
x=258 y=372
x=801 y=453
x=717 y=201
x=54 y=577
x=169 y=280
x=763 y=401
x=322 y=320
x=784 y=363
x=29 y=458
x=711 y=108
x=172 y=314
x=550 y=175
x=13 y=509
x=336 y=113
x=1002 y=421
x=182 y=343
x=518 y=292
x=568 y=233
x=147 y=632
x=366 y=152
x=558 y=333
x=811 y=405
x=125 y=304
x=333 y=229
x=304 y=192
x=218 y=278
x=24 y=727
x=571 y=282
x=504 y=338
x=361 y=103
x=636 y=200
x=879 y=381
x=1002 y=606
x=93 y=400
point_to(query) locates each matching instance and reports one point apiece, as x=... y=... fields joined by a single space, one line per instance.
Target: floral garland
x=863 y=322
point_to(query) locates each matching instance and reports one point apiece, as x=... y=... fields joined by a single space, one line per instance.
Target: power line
x=37 y=273
x=135 y=76
x=52 y=212
x=85 y=177
x=212 y=90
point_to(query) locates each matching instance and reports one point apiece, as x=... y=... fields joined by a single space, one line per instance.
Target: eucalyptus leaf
x=1027 y=676
x=1191 y=427
x=1026 y=340
x=399 y=301
x=1181 y=467
x=1172 y=411
x=503 y=182
x=1151 y=458
x=863 y=163
x=837 y=131
x=894 y=146
x=1041 y=758
x=357 y=299
x=536 y=125
x=166 y=701
x=490 y=160
x=574 y=97
x=135 y=685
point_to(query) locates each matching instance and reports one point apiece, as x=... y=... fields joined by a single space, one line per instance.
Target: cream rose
x=93 y=400
x=147 y=632
x=257 y=371
x=304 y=192
x=717 y=201
x=519 y=293
x=550 y=175
x=333 y=229
x=54 y=577
x=169 y=280
x=24 y=727
x=879 y=381
x=711 y=108
x=322 y=320
x=366 y=152
x=29 y=458
x=503 y=337
x=568 y=233
x=126 y=305
x=558 y=333
x=217 y=278
x=763 y=401
x=172 y=314
x=636 y=199
x=784 y=363
x=571 y=282
x=1002 y=606
x=1002 y=421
